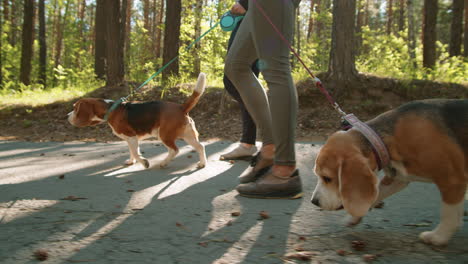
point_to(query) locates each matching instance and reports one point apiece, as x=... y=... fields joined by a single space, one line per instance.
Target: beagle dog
x=426 y=140
x=133 y=121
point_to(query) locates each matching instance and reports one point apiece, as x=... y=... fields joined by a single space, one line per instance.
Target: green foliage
x=388 y=56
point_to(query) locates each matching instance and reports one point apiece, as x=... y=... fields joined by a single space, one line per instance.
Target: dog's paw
x=145 y=163
x=129 y=162
x=352 y=220
x=431 y=237
x=162 y=165
x=201 y=165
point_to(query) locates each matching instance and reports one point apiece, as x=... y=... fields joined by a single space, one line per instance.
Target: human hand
x=238 y=9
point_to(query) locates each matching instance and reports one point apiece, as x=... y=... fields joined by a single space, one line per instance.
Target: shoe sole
x=246 y=158
x=296 y=196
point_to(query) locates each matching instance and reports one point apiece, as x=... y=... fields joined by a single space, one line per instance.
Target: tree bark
x=82 y=22
x=128 y=29
x=14 y=23
x=5 y=7
x=197 y=49
x=311 y=20
x=401 y=17
x=342 y=68
x=27 y=42
x=159 y=31
x=466 y=30
x=172 y=37
x=456 y=28
x=114 y=58
x=123 y=37
x=429 y=33
x=411 y=34
x=60 y=29
x=6 y=11
x=42 y=45
x=100 y=40
x=389 y=16
x=359 y=25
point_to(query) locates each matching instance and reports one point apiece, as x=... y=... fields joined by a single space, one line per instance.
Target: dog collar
x=113 y=107
x=378 y=146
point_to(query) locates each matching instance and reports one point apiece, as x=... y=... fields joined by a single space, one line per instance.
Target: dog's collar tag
x=383 y=158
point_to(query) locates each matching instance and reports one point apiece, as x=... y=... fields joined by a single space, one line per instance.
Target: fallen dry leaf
x=303 y=255
x=369 y=257
x=73 y=198
x=264 y=215
x=235 y=213
x=41 y=254
x=358 y=245
x=203 y=244
x=343 y=252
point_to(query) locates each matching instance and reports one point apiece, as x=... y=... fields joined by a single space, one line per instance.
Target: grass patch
x=34 y=96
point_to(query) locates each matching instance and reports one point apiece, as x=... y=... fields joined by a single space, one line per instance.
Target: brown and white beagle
x=427 y=141
x=133 y=121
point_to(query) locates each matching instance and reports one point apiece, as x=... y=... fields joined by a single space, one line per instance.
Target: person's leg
x=237 y=68
x=282 y=180
x=275 y=66
x=249 y=130
x=239 y=60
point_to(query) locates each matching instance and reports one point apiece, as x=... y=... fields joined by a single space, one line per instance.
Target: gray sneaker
x=240 y=152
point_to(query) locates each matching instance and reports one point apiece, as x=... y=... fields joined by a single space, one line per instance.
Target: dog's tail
x=197 y=92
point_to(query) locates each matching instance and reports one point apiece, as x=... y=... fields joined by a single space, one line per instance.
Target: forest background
x=371 y=54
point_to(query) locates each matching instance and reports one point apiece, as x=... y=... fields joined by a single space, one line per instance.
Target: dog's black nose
x=316 y=202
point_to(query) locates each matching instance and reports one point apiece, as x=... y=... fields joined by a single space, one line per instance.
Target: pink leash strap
x=383 y=158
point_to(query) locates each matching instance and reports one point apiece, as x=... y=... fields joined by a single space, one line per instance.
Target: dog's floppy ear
x=83 y=113
x=358 y=185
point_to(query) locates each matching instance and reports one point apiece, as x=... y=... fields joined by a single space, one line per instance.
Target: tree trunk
x=60 y=29
x=298 y=32
x=42 y=45
x=172 y=37
x=456 y=28
x=82 y=22
x=114 y=58
x=359 y=25
x=401 y=17
x=14 y=23
x=197 y=49
x=100 y=40
x=27 y=42
x=466 y=30
x=429 y=33
x=123 y=37
x=5 y=7
x=128 y=29
x=319 y=22
x=342 y=68
x=159 y=31
x=6 y=11
x=311 y=20
x=389 y=16
x=411 y=34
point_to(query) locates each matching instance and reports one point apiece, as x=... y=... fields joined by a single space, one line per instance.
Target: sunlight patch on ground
x=237 y=252
x=223 y=207
x=15 y=210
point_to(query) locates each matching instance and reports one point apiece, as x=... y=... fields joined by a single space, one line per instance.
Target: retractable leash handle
x=229 y=21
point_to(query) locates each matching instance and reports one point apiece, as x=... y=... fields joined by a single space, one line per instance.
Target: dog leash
x=379 y=148
x=124 y=99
